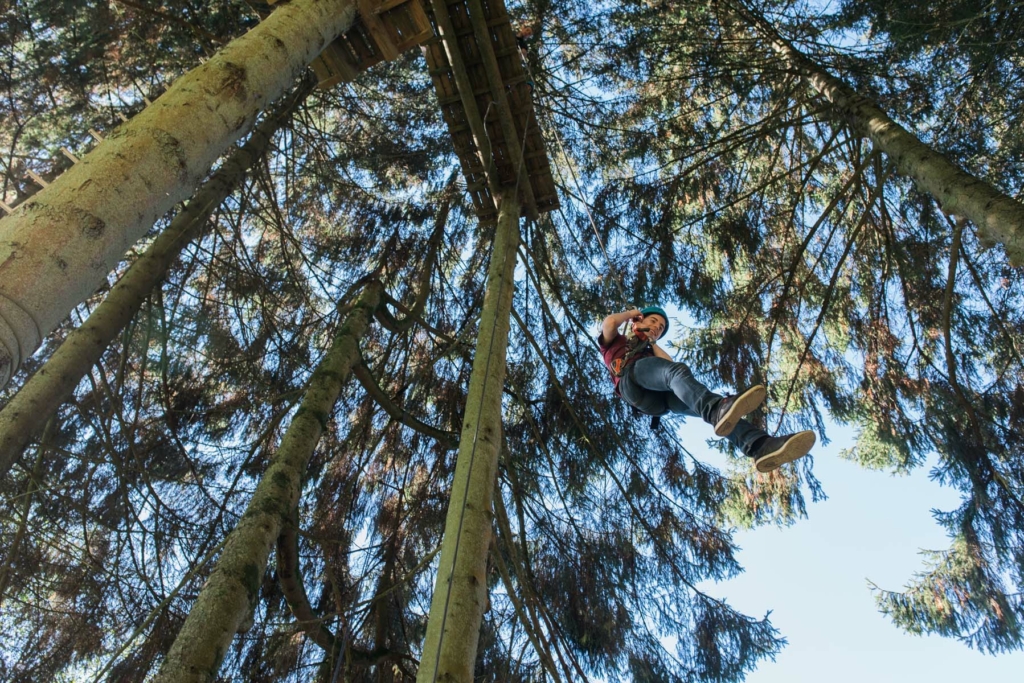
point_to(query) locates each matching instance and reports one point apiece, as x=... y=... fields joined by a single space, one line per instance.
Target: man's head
x=653 y=322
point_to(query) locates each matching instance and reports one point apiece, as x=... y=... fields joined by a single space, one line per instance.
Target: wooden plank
x=402 y=28
x=359 y=48
x=6 y=208
x=334 y=58
x=69 y=155
x=389 y=5
x=419 y=19
x=37 y=178
x=452 y=99
x=95 y=135
x=514 y=166
x=326 y=77
x=374 y=37
x=499 y=92
x=379 y=32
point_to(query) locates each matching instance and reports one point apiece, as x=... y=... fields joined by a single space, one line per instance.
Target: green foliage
x=718 y=181
x=962 y=596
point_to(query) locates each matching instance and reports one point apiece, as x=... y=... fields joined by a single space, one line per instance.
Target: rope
x=340 y=664
x=616 y=279
x=476 y=432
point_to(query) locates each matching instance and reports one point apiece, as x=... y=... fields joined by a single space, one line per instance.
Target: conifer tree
x=460 y=593
x=717 y=180
x=56 y=250
x=233 y=587
x=998 y=217
x=39 y=397
x=964 y=592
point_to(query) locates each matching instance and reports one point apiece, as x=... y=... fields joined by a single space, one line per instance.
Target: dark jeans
x=656 y=386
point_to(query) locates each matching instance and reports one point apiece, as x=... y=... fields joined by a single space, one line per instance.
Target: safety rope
x=616 y=278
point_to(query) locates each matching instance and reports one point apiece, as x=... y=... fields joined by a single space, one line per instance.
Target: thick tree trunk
x=460 y=591
x=43 y=393
x=998 y=217
x=232 y=590
x=56 y=249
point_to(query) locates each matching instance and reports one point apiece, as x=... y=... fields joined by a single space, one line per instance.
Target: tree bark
x=43 y=393
x=460 y=590
x=233 y=587
x=998 y=217
x=56 y=249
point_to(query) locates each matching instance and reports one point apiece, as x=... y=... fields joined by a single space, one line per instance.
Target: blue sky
x=814 y=577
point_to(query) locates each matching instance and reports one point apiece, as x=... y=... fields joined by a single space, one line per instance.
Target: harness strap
x=637 y=346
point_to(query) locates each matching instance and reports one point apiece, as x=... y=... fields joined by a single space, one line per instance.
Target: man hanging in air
x=650 y=381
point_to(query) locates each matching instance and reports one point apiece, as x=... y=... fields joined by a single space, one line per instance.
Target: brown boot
x=778 y=450
x=727 y=414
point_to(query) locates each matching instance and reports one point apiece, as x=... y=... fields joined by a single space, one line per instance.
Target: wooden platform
x=520 y=101
x=384 y=29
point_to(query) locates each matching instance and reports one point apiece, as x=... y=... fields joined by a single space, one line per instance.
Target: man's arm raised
x=610 y=326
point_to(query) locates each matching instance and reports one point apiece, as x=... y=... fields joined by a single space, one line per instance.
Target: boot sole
x=796 y=447
x=745 y=403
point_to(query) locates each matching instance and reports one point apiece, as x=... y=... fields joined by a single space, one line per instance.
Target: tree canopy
x=698 y=166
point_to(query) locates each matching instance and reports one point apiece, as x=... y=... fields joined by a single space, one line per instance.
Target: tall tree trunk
x=998 y=217
x=56 y=249
x=460 y=590
x=232 y=590
x=43 y=393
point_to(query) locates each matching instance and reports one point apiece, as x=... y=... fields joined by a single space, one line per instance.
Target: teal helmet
x=660 y=311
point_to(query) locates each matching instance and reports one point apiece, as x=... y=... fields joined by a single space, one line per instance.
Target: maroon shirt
x=617 y=349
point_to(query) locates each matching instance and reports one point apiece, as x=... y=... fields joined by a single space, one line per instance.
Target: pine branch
x=289 y=576
x=166 y=16
x=532 y=628
x=446 y=440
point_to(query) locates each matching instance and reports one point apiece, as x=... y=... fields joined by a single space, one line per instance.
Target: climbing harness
x=635 y=346
x=638 y=344
x=638 y=341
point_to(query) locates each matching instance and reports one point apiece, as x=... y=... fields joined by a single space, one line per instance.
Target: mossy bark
x=998 y=217
x=24 y=416
x=232 y=590
x=460 y=590
x=57 y=249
